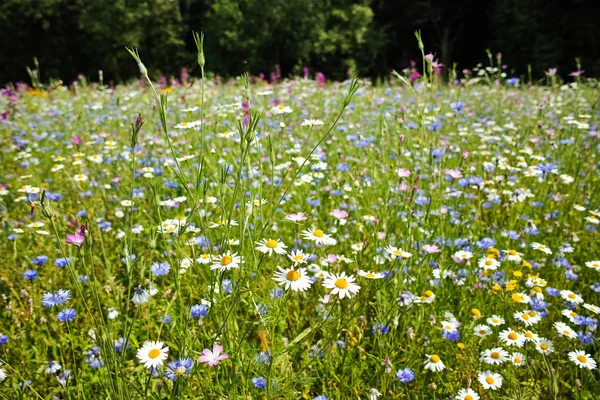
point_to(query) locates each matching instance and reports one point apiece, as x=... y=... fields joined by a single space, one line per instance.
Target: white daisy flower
x=295 y=279
x=319 y=237
x=528 y=317
x=541 y=247
x=544 y=346
x=592 y=308
x=153 y=354
x=593 y=264
x=582 y=359
x=370 y=275
x=466 y=394
x=571 y=297
x=511 y=338
x=204 y=259
x=495 y=320
x=565 y=330
x=341 y=284
x=226 y=261
x=298 y=257
x=269 y=246
x=513 y=255
x=489 y=263
x=517 y=359
x=80 y=178
x=434 y=363
x=495 y=356
x=482 y=330
x=490 y=380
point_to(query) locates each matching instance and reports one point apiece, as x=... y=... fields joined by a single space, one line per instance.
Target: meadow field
x=301 y=238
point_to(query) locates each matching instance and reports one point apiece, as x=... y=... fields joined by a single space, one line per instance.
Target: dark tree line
x=371 y=37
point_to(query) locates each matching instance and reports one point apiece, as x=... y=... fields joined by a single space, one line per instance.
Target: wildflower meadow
x=301 y=238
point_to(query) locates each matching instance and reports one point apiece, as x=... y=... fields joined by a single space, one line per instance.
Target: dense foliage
x=300 y=238
x=370 y=37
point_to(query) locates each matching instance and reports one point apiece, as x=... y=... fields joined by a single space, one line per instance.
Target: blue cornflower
x=585 y=337
x=457 y=106
x=160 y=269
x=512 y=81
x=93 y=358
x=343 y=167
x=486 y=243
x=198 y=310
x=552 y=292
x=451 y=335
x=537 y=304
x=595 y=287
x=30 y=274
x=263 y=358
x=62 y=262
x=546 y=168
x=321 y=397
x=276 y=293
x=227 y=286
x=340 y=344
x=119 y=344
x=179 y=368
x=40 y=260
x=55 y=299
x=380 y=328
x=166 y=318
x=437 y=153
x=259 y=382
x=67 y=315
x=405 y=375
x=3 y=339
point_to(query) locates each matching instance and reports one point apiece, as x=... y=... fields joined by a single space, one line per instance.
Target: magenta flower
x=454 y=173
x=77 y=140
x=339 y=214
x=78 y=237
x=428 y=248
x=213 y=357
x=403 y=173
x=296 y=217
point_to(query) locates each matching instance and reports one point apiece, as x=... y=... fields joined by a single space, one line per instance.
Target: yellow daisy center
x=184 y=124
x=297 y=258
x=271 y=244
x=574 y=314
x=428 y=293
x=318 y=233
x=482 y=331
x=154 y=353
x=488 y=262
x=495 y=355
x=525 y=317
x=544 y=346
x=341 y=283
x=434 y=359
x=468 y=397
x=489 y=380
x=512 y=336
x=512 y=252
x=566 y=332
x=292 y=275
x=226 y=260
x=572 y=296
x=370 y=275
x=517 y=360
x=582 y=359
